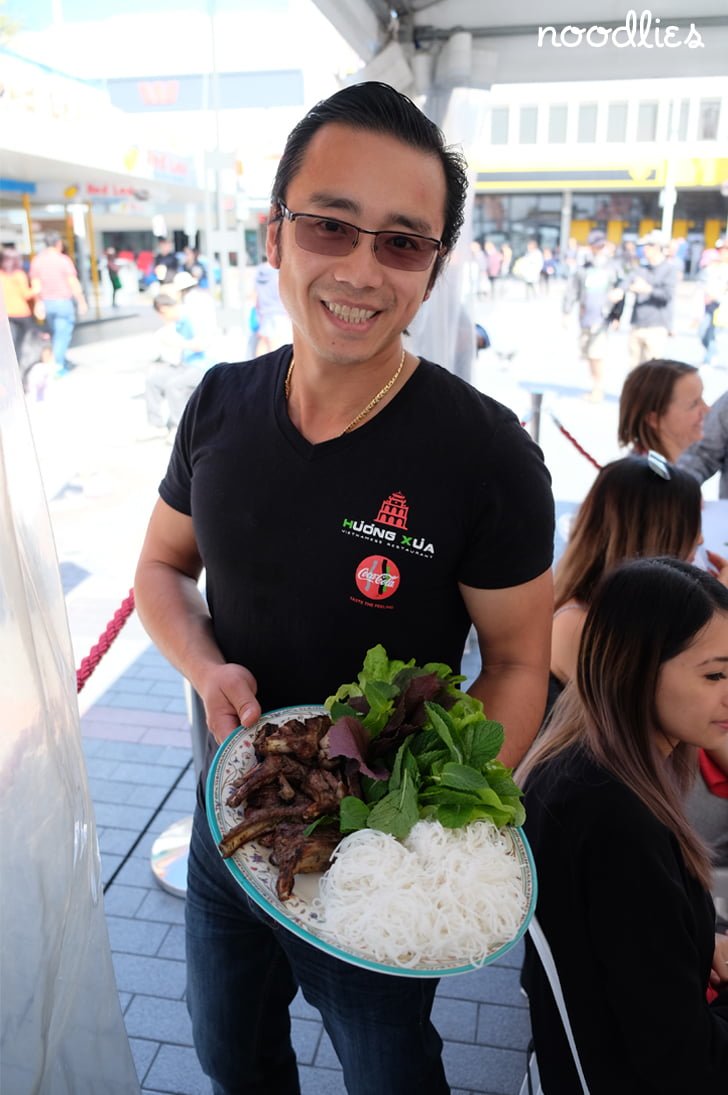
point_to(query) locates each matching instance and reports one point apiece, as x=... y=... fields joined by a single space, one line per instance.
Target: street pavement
x=101 y=482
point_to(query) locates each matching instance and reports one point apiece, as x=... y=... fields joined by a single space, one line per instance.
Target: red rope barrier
x=575 y=443
x=97 y=651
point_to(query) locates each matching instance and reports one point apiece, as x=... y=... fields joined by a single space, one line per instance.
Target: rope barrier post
x=534 y=421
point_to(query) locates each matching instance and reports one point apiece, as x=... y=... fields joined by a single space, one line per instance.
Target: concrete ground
x=101 y=480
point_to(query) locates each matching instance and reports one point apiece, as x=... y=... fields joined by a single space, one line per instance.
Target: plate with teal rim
x=251 y=868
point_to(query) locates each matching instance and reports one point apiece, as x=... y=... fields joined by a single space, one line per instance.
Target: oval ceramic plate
x=251 y=868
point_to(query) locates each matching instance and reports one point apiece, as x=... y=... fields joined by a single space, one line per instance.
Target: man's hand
x=228 y=693
x=640 y=286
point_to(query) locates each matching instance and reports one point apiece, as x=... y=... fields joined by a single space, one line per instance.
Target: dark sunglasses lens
x=405 y=252
x=324 y=237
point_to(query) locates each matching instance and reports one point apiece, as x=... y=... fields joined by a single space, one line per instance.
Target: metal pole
x=29 y=221
x=534 y=422
x=92 y=259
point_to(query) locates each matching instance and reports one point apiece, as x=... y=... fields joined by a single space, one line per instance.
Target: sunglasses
x=328 y=236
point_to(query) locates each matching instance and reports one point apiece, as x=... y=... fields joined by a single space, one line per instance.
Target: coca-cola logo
x=377 y=577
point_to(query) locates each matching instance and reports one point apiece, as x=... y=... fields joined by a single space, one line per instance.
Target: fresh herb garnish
x=423 y=748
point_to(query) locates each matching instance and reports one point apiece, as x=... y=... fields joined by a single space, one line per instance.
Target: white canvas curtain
x=61 y=1028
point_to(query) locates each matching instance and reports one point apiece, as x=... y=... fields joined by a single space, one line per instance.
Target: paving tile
x=125 y=999
x=136 y=936
x=456 y=1019
x=503 y=1026
x=490 y=985
x=321 y=1081
x=130 y=685
x=176 y=705
x=149 y=775
x=111 y=790
x=167 y=688
x=173 y=945
x=143 y=1053
x=147 y=718
x=120 y=815
x=182 y=798
x=162 y=736
x=165 y=818
x=136 y=872
x=147 y=795
x=151 y=976
x=105 y=730
x=177 y=1070
x=162 y=906
x=134 y=702
x=326 y=1054
x=123 y=900
x=302 y=1009
x=305 y=1037
x=109 y=864
x=100 y=768
x=483 y=1069
x=159 y=1019
x=116 y=841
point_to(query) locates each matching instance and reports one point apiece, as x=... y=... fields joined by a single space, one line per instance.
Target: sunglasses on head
x=329 y=236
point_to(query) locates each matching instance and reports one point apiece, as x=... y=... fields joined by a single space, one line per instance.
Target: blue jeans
x=61 y=319
x=243 y=970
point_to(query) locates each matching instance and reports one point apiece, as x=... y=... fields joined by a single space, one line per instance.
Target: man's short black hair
x=381 y=109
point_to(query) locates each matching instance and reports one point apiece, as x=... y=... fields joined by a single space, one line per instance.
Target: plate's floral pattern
x=250 y=865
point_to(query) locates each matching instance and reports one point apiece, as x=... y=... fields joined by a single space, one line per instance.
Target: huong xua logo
x=390 y=527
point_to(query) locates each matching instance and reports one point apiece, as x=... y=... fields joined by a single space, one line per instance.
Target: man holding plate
x=341 y=493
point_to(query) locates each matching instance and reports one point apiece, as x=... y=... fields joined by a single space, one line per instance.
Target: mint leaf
x=484 y=742
x=353 y=814
x=442 y=723
x=455 y=816
x=397 y=812
x=463 y=778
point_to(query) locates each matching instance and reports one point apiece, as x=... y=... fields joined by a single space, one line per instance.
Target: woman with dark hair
x=637 y=506
x=624 y=880
x=662 y=408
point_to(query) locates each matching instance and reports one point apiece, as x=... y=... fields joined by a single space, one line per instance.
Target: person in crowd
x=193 y=264
x=529 y=266
x=54 y=281
x=593 y=286
x=653 y=286
x=623 y=879
x=661 y=407
x=177 y=370
x=272 y=460
x=493 y=264
x=200 y=313
x=274 y=326
x=548 y=269
x=715 y=294
x=113 y=268
x=636 y=506
x=710 y=454
x=166 y=262
x=507 y=255
x=17 y=297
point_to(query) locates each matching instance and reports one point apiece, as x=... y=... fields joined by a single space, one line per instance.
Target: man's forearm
x=175 y=616
x=516 y=697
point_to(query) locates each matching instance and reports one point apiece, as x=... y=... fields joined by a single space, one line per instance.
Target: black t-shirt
x=314 y=553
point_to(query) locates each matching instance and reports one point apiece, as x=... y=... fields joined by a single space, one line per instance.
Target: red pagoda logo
x=393 y=511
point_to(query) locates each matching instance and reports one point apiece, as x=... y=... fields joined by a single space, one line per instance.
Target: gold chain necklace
x=370 y=405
